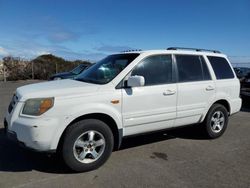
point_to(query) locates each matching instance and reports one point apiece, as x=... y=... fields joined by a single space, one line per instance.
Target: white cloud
x=3 y=52
x=113 y=48
x=31 y=49
x=41 y=52
x=62 y=36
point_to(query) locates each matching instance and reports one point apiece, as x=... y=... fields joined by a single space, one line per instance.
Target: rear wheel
x=216 y=121
x=87 y=145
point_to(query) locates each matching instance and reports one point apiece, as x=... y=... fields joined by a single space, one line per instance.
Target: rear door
x=196 y=89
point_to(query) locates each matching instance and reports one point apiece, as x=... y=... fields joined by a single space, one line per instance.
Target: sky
x=92 y=29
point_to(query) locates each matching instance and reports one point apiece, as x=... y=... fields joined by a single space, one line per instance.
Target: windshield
x=78 y=69
x=107 y=69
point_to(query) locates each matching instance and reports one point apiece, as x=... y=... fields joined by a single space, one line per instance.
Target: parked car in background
x=245 y=86
x=241 y=71
x=125 y=94
x=71 y=74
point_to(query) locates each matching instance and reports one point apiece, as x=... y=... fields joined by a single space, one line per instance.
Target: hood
x=58 y=88
x=63 y=75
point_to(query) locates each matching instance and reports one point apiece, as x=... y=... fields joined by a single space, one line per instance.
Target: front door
x=153 y=106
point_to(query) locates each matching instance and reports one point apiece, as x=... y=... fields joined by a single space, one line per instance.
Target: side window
x=221 y=67
x=155 y=69
x=189 y=68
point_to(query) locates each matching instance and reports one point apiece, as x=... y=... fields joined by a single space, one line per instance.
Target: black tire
x=209 y=121
x=71 y=136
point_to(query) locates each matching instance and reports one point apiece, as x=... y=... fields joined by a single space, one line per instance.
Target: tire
x=87 y=145
x=216 y=121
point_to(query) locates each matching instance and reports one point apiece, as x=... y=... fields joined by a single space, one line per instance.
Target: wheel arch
x=223 y=102
x=117 y=132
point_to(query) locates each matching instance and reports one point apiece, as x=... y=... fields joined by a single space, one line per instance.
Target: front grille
x=12 y=103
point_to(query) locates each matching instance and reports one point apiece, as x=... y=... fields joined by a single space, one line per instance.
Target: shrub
x=42 y=67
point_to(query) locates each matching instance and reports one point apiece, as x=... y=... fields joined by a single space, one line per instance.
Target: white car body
x=147 y=109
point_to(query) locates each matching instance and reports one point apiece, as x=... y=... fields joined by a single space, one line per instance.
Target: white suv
x=124 y=94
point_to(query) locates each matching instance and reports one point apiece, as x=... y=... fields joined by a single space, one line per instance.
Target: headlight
x=38 y=106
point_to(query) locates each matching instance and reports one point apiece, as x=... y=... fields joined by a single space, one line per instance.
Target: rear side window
x=156 y=70
x=221 y=67
x=192 y=68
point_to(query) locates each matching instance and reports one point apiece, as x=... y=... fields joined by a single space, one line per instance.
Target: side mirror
x=136 y=81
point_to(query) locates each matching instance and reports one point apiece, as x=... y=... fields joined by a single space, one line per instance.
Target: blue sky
x=90 y=29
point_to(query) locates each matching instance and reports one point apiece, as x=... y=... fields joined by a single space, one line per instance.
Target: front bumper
x=35 y=133
x=30 y=144
x=10 y=134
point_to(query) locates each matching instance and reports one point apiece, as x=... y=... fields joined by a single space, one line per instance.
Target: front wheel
x=216 y=121
x=87 y=145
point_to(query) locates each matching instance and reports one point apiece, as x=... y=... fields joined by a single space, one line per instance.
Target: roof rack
x=194 y=49
x=132 y=50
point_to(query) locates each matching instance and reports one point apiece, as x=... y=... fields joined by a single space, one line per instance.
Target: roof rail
x=194 y=49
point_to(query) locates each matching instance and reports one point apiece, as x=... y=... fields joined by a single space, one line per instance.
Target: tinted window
x=155 y=69
x=189 y=68
x=221 y=67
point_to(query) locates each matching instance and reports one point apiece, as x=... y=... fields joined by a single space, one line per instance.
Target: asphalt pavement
x=174 y=158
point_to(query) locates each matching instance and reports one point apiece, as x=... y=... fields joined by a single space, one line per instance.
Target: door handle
x=209 y=88
x=169 y=92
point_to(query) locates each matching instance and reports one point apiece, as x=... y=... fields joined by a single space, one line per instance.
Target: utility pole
x=56 y=67
x=32 y=69
x=4 y=74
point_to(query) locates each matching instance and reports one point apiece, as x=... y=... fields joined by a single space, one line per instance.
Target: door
x=152 y=106
x=196 y=89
